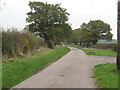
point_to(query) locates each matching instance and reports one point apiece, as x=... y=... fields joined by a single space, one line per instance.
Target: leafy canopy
x=48 y=21
x=93 y=31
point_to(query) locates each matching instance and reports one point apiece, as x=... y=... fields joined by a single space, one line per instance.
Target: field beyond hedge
x=23 y=68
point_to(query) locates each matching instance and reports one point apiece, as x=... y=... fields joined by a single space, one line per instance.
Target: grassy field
x=23 y=68
x=106 y=76
x=99 y=52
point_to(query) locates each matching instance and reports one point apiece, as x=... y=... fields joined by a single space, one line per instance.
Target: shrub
x=18 y=42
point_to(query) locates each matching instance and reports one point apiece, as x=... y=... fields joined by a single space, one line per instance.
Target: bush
x=19 y=43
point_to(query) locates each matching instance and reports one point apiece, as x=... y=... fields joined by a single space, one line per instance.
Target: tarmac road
x=74 y=70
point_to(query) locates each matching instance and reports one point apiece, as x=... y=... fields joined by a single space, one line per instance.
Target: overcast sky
x=13 y=12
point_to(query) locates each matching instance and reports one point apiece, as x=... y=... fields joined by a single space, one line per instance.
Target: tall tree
x=48 y=21
x=95 y=30
x=118 y=37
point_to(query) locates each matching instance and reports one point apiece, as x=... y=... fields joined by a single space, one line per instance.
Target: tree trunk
x=118 y=38
x=80 y=43
x=94 y=42
x=49 y=44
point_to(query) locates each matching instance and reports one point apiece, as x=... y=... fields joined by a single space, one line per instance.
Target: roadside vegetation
x=22 y=68
x=106 y=76
x=19 y=43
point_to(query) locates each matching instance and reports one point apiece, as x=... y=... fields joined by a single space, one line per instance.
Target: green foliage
x=48 y=21
x=23 y=68
x=15 y=43
x=75 y=37
x=106 y=76
x=93 y=31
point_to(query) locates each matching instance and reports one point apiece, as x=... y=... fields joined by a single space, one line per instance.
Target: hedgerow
x=17 y=43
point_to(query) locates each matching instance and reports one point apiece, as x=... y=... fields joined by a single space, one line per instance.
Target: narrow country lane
x=74 y=70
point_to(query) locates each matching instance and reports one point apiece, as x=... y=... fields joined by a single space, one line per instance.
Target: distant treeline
x=17 y=43
x=90 y=33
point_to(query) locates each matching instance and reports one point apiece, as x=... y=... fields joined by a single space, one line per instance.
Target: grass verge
x=19 y=70
x=99 y=52
x=106 y=76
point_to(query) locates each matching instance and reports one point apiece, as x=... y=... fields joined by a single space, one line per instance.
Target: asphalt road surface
x=74 y=70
